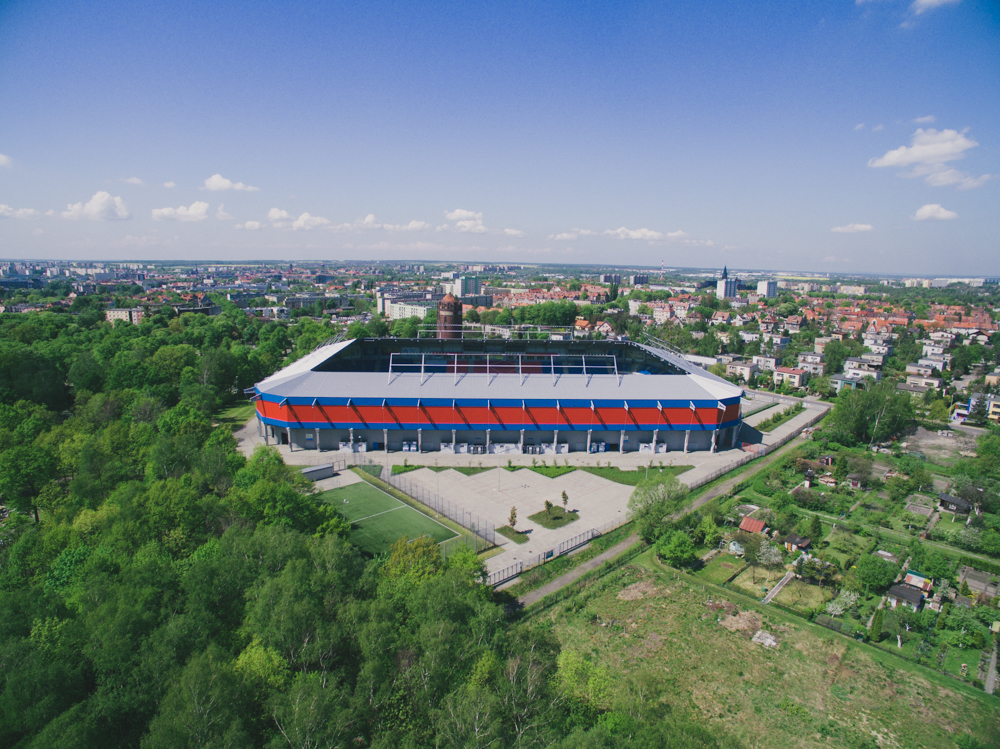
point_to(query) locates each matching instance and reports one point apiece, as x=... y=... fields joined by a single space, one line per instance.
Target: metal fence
x=469 y=520
x=761 y=452
x=581 y=539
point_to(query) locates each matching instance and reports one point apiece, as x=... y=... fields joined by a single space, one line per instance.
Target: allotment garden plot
x=378 y=520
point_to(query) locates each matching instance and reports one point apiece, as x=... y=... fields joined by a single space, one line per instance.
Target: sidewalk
x=777 y=588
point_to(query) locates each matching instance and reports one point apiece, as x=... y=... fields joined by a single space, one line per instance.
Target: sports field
x=378 y=520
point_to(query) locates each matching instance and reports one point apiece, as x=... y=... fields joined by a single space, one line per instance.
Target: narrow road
x=777 y=588
x=991 y=675
x=577 y=572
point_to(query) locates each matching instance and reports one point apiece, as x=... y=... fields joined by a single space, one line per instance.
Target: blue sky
x=833 y=136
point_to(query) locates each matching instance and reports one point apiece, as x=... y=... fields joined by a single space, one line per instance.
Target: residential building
x=794 y=542
x=957 y=505
x=923 y=381
x=133 y=316
x=875 y=360
x=767 y=289
x=726 y=288
x=905 y=595
x=915 y=368
x=794 y=377
x=840 y=382
x=615 y=278
x=743 y=370
x=812 y=362
x=766 y=362
x=403 y=310
x=753 y=525
x=914 y=390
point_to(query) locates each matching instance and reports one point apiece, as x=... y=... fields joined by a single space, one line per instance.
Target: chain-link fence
x=469 y=520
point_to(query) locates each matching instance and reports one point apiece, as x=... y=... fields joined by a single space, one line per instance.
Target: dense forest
x=159 y=589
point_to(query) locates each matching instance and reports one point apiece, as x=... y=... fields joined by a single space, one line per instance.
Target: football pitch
x=378 y=520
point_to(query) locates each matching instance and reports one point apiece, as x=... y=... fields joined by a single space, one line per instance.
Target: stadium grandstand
x=506 y=395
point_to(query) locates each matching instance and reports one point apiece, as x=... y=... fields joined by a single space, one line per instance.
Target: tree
x=769 y=557
x=512 y=518
x=707 y=532
x=548 y=507
x=565 y=500
x=875 y=630
x=875 y=573
x=653 y=501
x=24 y=471
x=816 y=529
x=676 y=549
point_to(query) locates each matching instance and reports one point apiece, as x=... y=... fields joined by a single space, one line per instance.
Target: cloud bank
x=852 y=228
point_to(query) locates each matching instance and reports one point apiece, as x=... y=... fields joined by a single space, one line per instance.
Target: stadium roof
x=301 y=381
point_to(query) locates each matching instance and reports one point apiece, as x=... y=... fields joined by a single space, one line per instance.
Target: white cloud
x=922 y=6
x=217 y=182
x=279 y=218
x=170 y=184
x=7 y=212
x=852 y=228
x=624 y=233
x=860 y=126
x=222 y=215
x=101 y=207
x=132 y=180
x=307 y=221
x=565 y=236
x=677 y=235
x=5 y=161
x=928 y=153
x=460 y=214
x=926 y=120
x=197 y=211
x=513 y=232
x=877 y=128
x=250 y=225
x=934 y=211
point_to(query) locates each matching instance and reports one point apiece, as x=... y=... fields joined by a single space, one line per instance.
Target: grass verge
x=516 y=536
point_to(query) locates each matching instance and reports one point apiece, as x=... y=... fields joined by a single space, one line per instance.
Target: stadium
x=456 y=395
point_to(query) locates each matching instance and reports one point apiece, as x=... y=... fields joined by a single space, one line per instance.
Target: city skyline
x=856 y=137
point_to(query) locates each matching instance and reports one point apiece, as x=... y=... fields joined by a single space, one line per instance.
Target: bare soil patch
x=744 y=621
x=637 y=590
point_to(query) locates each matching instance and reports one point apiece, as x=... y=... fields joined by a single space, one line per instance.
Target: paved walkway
x=577 y=572
x=777 y=588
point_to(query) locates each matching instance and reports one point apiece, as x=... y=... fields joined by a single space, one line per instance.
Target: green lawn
x=632 y=478
x=378 y=520
x=556 y=519
x=465 y=470
x=802 y=596
x=235 y=416
x=719 y=568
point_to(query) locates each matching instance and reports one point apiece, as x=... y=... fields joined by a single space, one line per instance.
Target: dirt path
x=577 y=572
x=991 y=676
